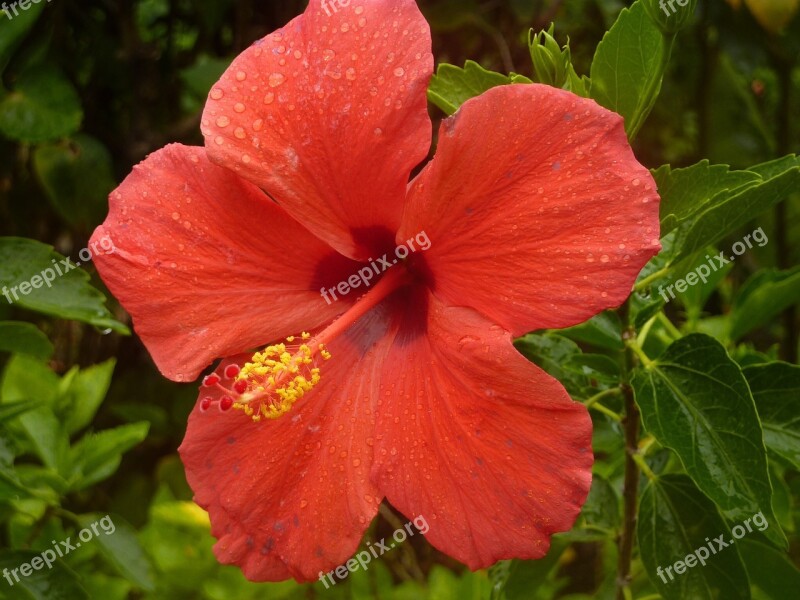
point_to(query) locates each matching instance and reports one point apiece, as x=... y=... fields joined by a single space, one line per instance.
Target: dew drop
x=276 y=79
x=239 y=107
x=351 y=74
x=219 y=140
x=223 y=121
x=362 y=22
x=246 y=158
x=241 y=76
x=176 y=216
x=345 y=27
x=399 y=72
x=239 y=133
x=328 y=54
x=359 y=10
x=604 y=258
x=258 y=125
x=217 y=93
x=268 y=99
x=636 y=181
x=303 y=503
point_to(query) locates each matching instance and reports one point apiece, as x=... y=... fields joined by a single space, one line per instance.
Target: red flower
x=537 y=216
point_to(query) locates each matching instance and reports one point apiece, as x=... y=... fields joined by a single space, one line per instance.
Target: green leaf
x=98 y=455
x=776 y=391
x=42 y=106
x=769 y=569
x=685 y=191
x=77 y=177
x=49 y=439
x=86 y=392
x=670 y=18
x=628 y=66
x=57 y=583
x=603 y=331
x=25 y=263
x=24 y=338
x=451 y=86
x=524 y=575
x=551 y=352
x=13 y=31
x=726 y=212
x=552 y=64
x=595 y=366
x=11 y=488
x=119 y=545
x=601 y=510
x=27 y=378
x=766 y=294
x=13 y=409
x=675 y=521
x=695 y=400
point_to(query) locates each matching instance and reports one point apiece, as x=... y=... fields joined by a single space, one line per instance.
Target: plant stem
x=631 y=485
x=599 y=396
x=645 y=283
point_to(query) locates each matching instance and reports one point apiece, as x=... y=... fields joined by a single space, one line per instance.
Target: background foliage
x=87 y=426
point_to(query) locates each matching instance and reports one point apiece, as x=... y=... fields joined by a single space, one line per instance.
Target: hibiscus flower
x=407 y=389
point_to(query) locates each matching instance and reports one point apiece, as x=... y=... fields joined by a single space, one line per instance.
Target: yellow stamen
x=278 y=377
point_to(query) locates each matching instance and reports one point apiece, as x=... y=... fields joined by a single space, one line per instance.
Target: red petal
x=487 y=448
x=329 y=116
x=538 y=212
x=292 y=497
x=207 y=265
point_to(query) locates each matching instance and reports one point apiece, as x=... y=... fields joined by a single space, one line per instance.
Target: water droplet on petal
x=328 y=54
x=269 y=98
x=239 y=133
x=217 y=93
x=241 y=76
x=276 y=79
x=351 y=74
x=223 y=121
x=258 y=125
x=239 y=107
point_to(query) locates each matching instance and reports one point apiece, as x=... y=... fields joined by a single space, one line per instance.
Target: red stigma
x=205 y=403
x=240 y=386
x=211 y=380
x=225 y=403
x=232 y=371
